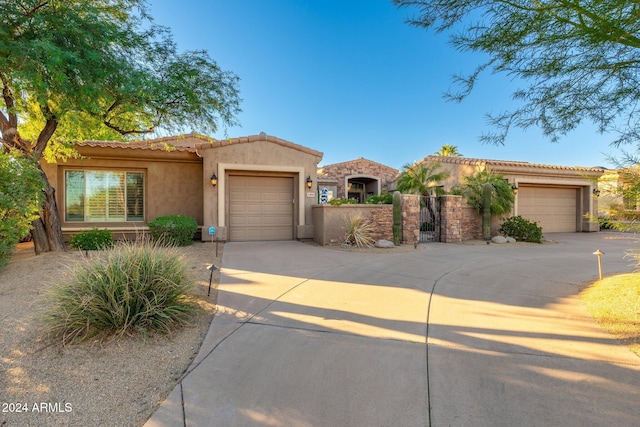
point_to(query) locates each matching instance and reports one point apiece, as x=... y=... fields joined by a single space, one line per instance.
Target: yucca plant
x=135 y=287
x=359 y=232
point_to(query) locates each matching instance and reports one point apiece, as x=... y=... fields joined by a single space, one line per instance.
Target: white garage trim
x=224 y=167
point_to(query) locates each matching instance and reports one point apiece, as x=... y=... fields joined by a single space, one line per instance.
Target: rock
x=384 y=244
x=511 y=240
x=499 y=240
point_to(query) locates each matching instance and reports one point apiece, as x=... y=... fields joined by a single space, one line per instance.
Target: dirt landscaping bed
x=120 y=382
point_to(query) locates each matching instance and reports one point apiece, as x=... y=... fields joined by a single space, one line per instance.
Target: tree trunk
x=47 y=231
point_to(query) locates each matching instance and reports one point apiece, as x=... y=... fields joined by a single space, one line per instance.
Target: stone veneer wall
x=410 y=205
x=361 y=166
x=458 y=222
x=331 y=221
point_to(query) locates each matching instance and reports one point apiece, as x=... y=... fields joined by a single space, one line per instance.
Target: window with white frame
x=103 y=196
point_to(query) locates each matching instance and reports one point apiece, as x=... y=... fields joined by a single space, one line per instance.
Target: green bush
x=173 y=230
x=135 y=288
x=21 y=196
x=522 y=229
x=92 y=240
x=383 y=199
x=338 y=202
x=607 y=224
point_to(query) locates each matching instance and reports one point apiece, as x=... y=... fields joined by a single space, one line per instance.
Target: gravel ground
x=115 y=383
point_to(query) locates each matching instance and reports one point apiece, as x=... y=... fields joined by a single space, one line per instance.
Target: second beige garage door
x=554 y=208
x=260 y=208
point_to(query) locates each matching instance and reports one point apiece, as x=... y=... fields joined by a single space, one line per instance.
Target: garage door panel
x=553 y=208
x=261 y=208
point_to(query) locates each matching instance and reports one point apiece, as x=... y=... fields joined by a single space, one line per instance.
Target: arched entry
x=359 y=187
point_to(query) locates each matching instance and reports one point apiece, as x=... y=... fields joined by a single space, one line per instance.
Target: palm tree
x=502 y=197
x=421 y=178
x=448 y=150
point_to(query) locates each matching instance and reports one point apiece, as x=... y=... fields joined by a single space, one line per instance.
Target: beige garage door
x=260 y=208
x=554 y=208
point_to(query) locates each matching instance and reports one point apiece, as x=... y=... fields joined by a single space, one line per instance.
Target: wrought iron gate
x=429 y=219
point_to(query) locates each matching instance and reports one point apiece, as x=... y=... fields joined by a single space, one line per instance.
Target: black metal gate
x=429 y=219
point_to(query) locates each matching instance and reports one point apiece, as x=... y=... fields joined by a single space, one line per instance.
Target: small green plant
x=359 y=232
x=522 y=229
x=137 y=287
x=338 y=202
x=173 y=230
x=383 y=199
x=92 y=240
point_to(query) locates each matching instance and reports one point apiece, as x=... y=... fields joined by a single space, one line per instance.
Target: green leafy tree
x=579 y=60
x=20 y=197
x=421 y=178
x=448 y=150
x=98 y=69
x=502 y=197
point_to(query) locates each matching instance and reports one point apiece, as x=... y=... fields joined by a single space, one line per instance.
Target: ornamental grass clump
x=359 y=232
x=133 y=288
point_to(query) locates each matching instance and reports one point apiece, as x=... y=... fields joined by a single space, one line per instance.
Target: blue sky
x=351 y=78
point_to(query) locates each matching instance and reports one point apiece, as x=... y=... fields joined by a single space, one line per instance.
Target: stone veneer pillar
x=451 y=219
x=410 y=205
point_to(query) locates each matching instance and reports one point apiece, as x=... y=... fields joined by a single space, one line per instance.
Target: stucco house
x=258 y=187
x=356 y=179
x=559 y=198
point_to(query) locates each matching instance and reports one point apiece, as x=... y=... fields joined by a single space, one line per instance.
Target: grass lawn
x=614 y=302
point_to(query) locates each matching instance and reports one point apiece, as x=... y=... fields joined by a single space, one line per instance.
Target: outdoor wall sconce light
x=309 y=182
x=596 y=192
x=214 y=179
x=514 y=187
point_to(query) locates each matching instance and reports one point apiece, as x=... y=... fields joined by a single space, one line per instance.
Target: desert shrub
x=173 y=230
x=607 y=224
x=383 y=199
x=359 y=232
x=92 y=240
x=338 y=202
x=134 y=288
x=21 y=195
x=521 y=229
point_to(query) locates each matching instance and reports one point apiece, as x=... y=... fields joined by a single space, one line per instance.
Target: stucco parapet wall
x=255 y=138
x=514 y=167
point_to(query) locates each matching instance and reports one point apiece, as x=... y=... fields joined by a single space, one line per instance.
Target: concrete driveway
x=447 y=335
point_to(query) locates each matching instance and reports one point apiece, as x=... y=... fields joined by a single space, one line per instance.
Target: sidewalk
x=309 y=336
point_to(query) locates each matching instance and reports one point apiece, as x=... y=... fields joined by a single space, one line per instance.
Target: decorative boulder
x=511 y=240
x=384 y=244
x=499 y=240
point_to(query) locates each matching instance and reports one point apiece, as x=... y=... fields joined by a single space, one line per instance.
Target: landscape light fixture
x=211 y=268
x=596 y=192
x=214 y=179
x=514 y=187
x=309 y=182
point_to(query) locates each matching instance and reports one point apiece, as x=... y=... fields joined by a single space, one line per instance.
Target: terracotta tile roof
x=174 y=143
x=215 y=143
x=136 y=145
x=356 y=160
x=506 y=163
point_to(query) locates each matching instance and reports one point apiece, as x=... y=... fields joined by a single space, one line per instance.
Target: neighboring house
x=559 y=198
x=618 y=191
x=356 y=179
x=253 y=188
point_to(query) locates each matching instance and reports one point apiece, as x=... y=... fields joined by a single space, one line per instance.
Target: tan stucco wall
x=259 y=155
x=173 y=183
